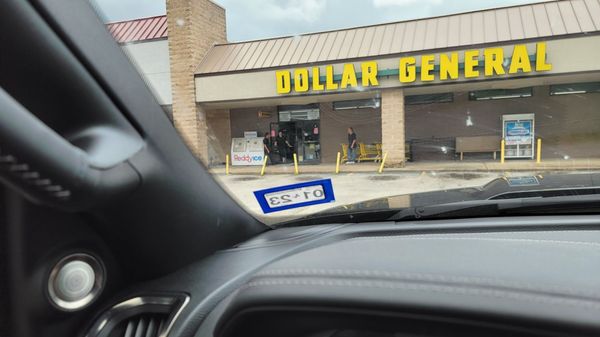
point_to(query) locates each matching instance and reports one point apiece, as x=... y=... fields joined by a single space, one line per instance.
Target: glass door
x=309 y=146
x=301 y=125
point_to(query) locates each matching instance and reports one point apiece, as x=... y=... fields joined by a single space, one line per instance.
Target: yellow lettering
x=494 y=57
x=283 y=81
x=471 y=62
x=519 y=60
x=369 y=74
x=316 y=81
x=540 y=57
x=329 y=83
x=408 y=71
x=449 y=66
x=348 y=76
x=427 y=67
x=301 y=80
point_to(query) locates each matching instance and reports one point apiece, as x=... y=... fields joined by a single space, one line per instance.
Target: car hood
x=513 y=186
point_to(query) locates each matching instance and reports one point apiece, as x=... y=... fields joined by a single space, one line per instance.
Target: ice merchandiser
x=518 y=132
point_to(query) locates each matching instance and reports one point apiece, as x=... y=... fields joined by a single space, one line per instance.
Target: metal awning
x=532 y=21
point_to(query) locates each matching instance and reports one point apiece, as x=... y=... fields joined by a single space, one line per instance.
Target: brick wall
x=194 y=26
x=392 y=126
x=219 y=134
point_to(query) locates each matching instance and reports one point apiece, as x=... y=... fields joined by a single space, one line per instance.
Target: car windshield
x=297 y=107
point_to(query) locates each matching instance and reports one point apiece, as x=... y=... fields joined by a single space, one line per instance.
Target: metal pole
x=337 y=163
x=295 y=164
x=262 y=171
x=382 y=163
x=227 y=164
x=502 y=152
x=539 y=151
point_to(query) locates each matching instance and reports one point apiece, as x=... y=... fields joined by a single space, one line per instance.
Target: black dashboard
x=529 y=276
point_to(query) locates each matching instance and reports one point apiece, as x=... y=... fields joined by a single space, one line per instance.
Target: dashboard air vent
x=147 y=316
x=145 y=325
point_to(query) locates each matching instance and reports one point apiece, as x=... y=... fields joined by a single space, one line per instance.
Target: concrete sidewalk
x=441 y=166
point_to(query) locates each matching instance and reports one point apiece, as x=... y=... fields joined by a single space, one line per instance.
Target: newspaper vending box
x=518 y=134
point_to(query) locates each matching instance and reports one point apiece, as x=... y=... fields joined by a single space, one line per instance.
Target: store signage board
x=488 y=62
x=518 y=132
x=296 y=195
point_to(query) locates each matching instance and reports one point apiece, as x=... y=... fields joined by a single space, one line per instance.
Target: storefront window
x=372 y=103
x=429 y=98
x=482 y=95
x=290 y=113
x=575 y=88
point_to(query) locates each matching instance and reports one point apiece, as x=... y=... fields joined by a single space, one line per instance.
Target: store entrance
x=299 y=126
x=300 y=137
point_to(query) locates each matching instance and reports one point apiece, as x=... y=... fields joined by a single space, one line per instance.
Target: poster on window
x=518 y=132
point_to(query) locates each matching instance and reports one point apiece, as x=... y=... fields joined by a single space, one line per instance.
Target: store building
x=145 y=42
x=424 y=89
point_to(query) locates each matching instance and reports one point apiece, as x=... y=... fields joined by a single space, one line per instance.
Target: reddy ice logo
x=248 y=158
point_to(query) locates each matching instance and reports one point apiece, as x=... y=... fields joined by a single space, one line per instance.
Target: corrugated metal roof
x=530 y=21
x=139 y=30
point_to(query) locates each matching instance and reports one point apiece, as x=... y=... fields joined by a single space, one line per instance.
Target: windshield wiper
x=580 y=204
x=486 y=208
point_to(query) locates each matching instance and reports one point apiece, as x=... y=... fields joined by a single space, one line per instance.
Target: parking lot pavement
x=349 y=187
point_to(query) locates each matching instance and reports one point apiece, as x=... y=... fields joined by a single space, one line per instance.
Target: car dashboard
x=525 y=276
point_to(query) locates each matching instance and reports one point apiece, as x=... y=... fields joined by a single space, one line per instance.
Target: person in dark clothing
x=267 y=146
x=283 y=146
x=352 y=146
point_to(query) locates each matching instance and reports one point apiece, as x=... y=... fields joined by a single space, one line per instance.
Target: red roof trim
x=150 y=28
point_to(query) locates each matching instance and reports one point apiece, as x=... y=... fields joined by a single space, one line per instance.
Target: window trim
x=448 y=95
x=501 y=94
x=581 y=86
x=376 y=104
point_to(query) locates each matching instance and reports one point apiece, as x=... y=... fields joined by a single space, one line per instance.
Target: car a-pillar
x=392 y=126
x=193 y=27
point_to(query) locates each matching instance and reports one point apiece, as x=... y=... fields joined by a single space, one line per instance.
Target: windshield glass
x=298 y=107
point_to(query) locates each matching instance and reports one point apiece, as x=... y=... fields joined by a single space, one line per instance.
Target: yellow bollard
x=502 y=152
x=262 y=171
x=227 y=164
x=337 y=163
x=382 y=163
x=295 y=164
x=539 y=151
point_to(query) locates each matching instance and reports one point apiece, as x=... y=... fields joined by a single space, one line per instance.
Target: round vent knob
x=75 y=282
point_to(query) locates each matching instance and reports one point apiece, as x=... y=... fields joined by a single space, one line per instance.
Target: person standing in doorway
x=267 y=146
x=283 y=146
x=352 y=146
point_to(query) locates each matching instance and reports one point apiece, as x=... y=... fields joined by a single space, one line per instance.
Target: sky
x=257 y=19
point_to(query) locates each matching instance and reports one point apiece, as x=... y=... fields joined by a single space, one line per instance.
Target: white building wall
x=152 y=60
